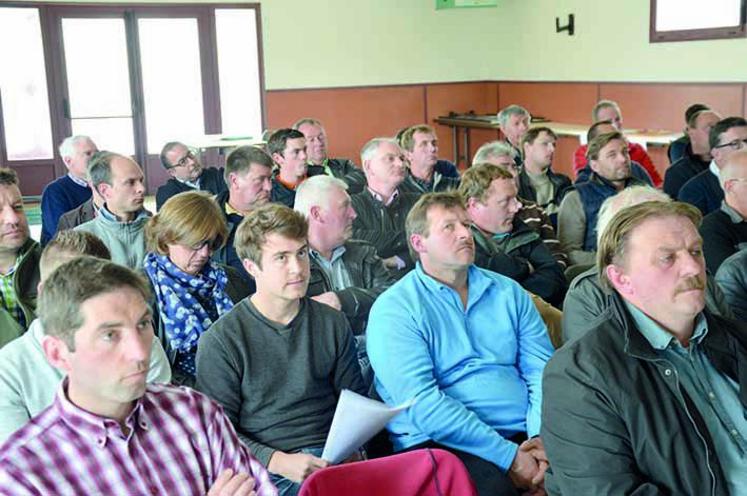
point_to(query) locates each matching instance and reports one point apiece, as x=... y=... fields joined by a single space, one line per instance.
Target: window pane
x=172 y=80
x=23 y=90
x=113 y=134
x=674 y=15
x=96 y=66
x=238 y=72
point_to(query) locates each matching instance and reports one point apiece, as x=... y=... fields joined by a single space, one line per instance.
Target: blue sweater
x=475 y=374
x=60 y=196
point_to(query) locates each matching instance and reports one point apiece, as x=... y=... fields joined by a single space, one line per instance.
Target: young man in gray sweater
x=278 y=360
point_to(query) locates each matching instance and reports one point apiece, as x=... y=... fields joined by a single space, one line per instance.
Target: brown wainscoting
x=560 y=102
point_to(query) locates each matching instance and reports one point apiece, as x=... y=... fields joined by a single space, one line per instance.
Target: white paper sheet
x=357 y=419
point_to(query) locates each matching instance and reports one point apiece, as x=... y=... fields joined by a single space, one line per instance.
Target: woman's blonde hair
x=188 y=219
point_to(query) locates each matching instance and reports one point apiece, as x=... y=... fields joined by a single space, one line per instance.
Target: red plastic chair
x=427 y=472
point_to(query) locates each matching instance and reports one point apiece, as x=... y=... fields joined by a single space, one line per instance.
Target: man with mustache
x=248 y=174
x=19 y=261
x=120 y=222
x=652 y=399
x=468 y=347
x=278 y=360
x=187 y=173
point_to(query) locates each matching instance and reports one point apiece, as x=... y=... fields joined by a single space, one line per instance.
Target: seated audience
x=443 y=167
x=503 y=243
x=445 y=331
x=381 y=208
x=82 y=213
x=607 y=110
x=120 y=222
x=704 y=191
x=279 y=360
x=732 y=279
x=724 y=230
x=513 y=121
x=346 y=274
x=651 y=400
x=69 y=191
x=107 y=432
x=187 y=173
x=604 y=127
x=677 y=147
x=420 y=145
x=287 y=147
x=191 y=291
x=577 y=219
x=249 y=178
x=316 y=155
x=19 y=261
x=696 y=154
x=501 y=154
x=28 y=382
x=586 y=300
x=537 y=181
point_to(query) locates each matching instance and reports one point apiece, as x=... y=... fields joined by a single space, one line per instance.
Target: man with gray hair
x=317 y=156
x=513 y=122
x=381 y=208
x=107 y=430
x=651 y=400
x=586 y=299
x=120 y=222
x=724 y=230
x=28 y=382
x=71 y=190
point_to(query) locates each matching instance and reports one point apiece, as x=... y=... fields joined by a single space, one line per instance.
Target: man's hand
x=230 y=484
x=329 y=298
x=392 y=263
x=295 y=466
x=523 y=470
x=536 y=448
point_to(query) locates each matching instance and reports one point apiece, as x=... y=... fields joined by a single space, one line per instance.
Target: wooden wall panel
x=662 y=106
x=351 y=116
x=481 y=98
x=564 y=102
x=562 y=161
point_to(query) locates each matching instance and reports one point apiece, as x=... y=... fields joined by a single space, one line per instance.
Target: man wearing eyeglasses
x=704 y=191
x=187 y=173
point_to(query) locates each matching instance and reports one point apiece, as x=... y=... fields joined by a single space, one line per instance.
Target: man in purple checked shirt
x=107 y=432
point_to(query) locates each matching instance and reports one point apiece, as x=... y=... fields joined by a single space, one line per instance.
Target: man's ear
x=417 y=243
x=56 y=352
x=315 y=213
x=593 y=164
x=278 y=158
x=619 y=280
x=250 y=267
x=103 y=189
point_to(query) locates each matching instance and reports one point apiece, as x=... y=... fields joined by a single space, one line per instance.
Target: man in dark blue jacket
x=187 y=173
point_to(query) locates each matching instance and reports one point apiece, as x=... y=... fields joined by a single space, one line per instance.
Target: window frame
x=726 y=32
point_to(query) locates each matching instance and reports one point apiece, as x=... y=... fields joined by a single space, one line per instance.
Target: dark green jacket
x=523 y=257
x=25 y=281
x=369 y=276
x=615 y=419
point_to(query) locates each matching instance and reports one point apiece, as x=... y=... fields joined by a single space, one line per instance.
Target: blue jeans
x=288 y=487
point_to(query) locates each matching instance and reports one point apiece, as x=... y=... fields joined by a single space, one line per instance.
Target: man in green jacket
x=19 y=261
x=652 y=399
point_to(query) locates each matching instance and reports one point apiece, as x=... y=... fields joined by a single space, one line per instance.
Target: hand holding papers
x=356 y=421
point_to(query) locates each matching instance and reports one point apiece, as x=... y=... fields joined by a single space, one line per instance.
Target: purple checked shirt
x=179 y=442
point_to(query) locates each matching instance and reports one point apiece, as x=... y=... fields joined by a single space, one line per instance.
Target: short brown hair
x=533 y=133
x=407 y=140
x=613 y=244
x=242 y=158
x=596 y=145
x=477 y=179
x=68 y=244
x=76 y=281
x=188 y=218
x=417 y=218
x=8 y=177
x=268 y=219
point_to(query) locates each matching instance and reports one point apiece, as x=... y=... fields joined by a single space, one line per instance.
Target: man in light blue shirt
x=468 y=346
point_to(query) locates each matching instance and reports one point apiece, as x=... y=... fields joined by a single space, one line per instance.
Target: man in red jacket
x=607 y=110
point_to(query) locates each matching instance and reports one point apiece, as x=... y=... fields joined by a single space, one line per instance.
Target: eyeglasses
x=183 y=161
x=212 y=245
x=735 y=145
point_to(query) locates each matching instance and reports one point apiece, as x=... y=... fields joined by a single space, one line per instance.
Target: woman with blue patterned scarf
x=191 y=291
